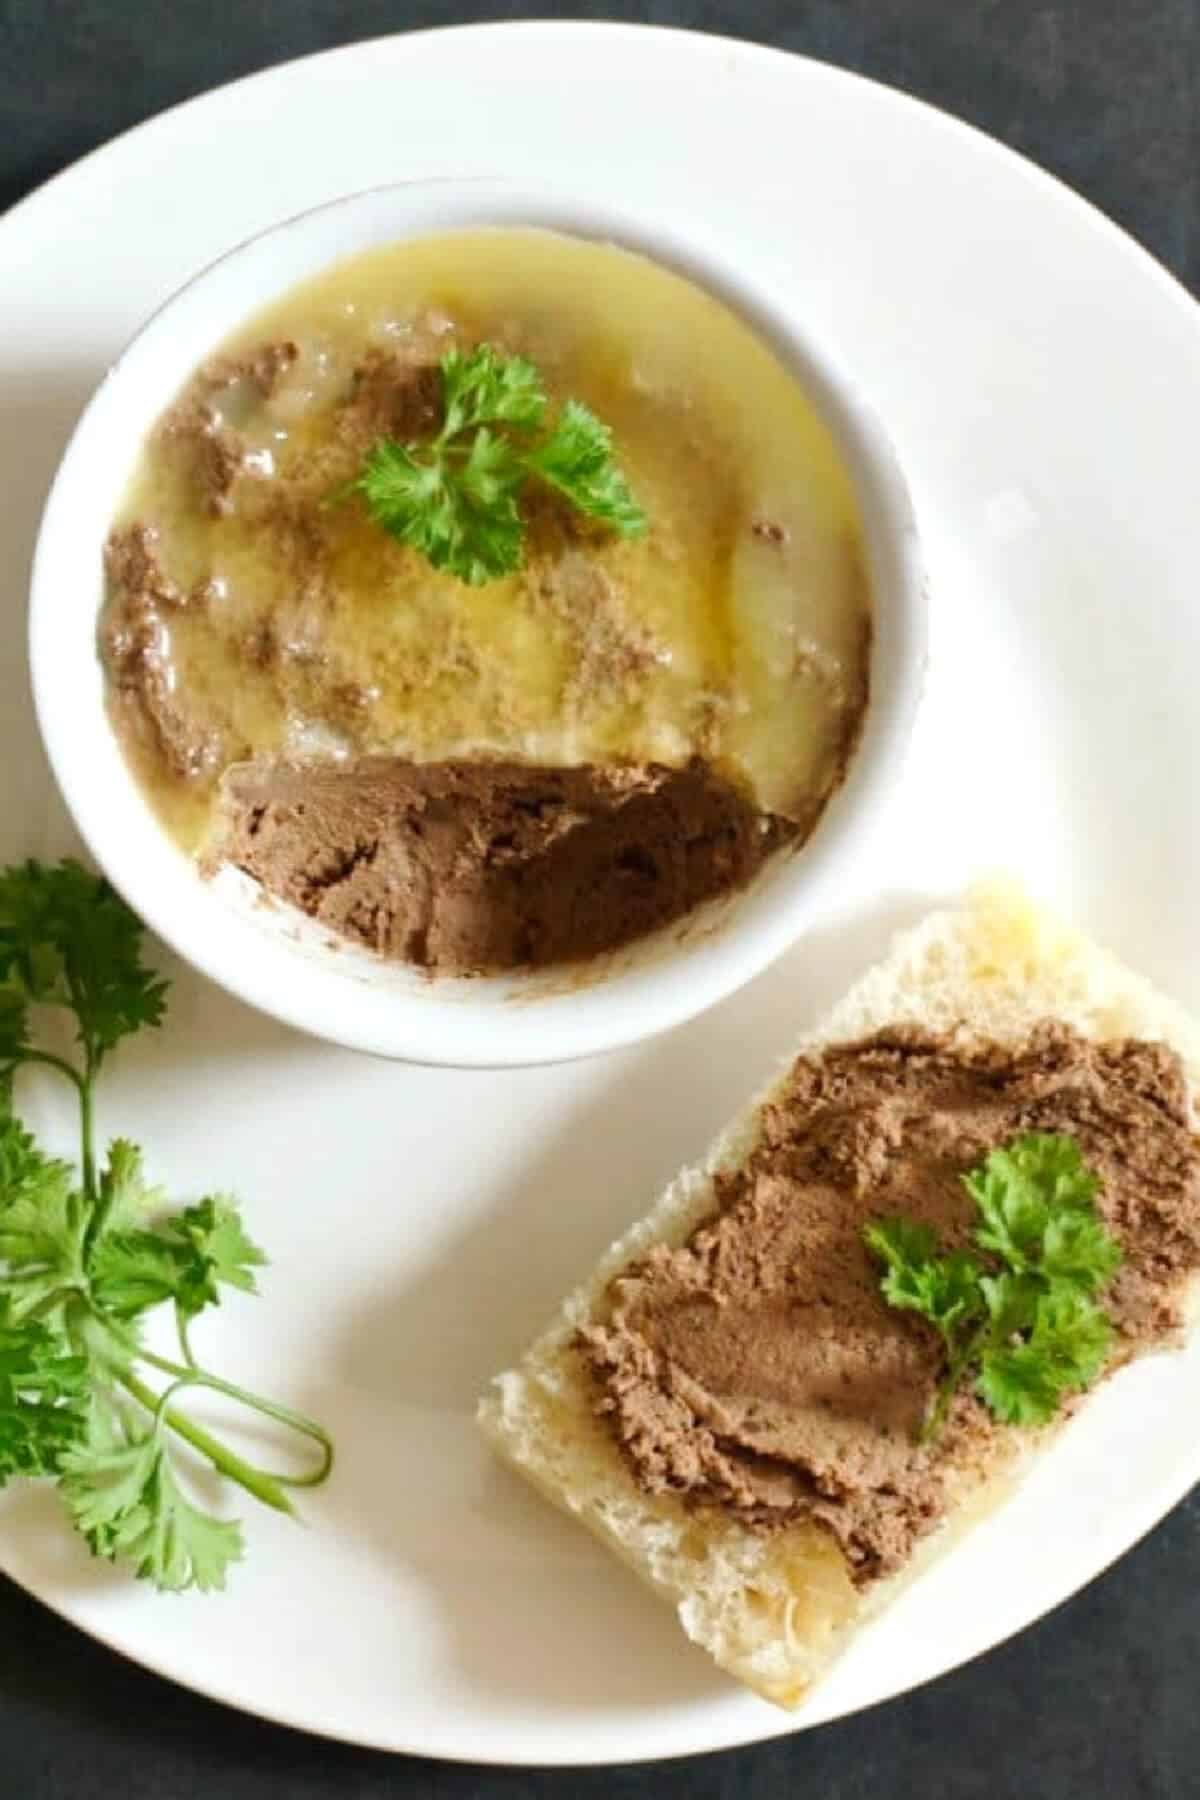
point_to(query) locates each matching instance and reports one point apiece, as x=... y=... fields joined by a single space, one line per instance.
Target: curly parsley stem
x=82 y=1083
x=49 y=1061
x=87 y=1136
x=185 y=1342
x=257 y=1482
x=271 y=1409
x=46 y=1307
x=959 y=1362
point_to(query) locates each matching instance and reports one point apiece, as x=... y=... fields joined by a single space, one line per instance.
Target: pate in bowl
x=476 y=625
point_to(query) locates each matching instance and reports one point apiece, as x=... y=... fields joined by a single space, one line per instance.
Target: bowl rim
x=434 y=1021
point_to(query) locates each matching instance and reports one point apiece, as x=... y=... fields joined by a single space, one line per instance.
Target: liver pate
x=650 y=718
x=197 y=429
x=393 y=394
x=757 y=1367
x=134 y=645
x=457 y=866
x=465 y=867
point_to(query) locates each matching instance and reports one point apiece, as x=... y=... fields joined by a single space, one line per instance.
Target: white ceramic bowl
x=287 y=966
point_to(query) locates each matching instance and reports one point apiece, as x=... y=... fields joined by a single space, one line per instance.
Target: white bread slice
x=774 y=1610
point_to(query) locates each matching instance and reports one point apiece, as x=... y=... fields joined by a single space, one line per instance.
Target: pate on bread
x=773 y=1607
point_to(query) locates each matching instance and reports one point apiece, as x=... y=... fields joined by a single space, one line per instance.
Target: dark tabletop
x=1102 y=1699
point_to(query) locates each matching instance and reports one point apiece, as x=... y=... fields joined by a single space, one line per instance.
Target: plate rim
x=728 y=41
x=1154 y=1503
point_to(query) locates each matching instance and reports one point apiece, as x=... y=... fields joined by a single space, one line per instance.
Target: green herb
x=455 y=497
x=85 y=1257
x=1023 y=1318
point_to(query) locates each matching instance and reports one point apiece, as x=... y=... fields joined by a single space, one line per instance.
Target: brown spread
x=474 y=865
x=758 y=1369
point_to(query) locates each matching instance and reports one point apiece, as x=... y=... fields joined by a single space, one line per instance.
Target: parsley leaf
x=41 y=1221
x=577 y=460
x=1074 y=1336
x=485 y=388
x=464 y=520
x=214 y=1230
x=125 y=1498
x=186 y=1259
x=1025 y=1382
x=1077 y=1251
x=21 y=1162
x=943 y=1289
x=1019 y=1189
x=124 y=1193
x=14 y=1013
x=1027 y=1320
x=1011 y=1301
x=1018 y=1385
x=455 y=498
x=135 y=1270
x=67 y=939
x=43 y=1389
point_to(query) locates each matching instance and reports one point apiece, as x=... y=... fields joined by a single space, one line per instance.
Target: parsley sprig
x=84 y=1259
x=1023 y=1317
x=454 y=498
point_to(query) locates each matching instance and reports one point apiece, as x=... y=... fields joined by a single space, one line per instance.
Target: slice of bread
x=773 y=1610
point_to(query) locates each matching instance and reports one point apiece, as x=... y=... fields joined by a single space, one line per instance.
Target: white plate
x=1042 y=379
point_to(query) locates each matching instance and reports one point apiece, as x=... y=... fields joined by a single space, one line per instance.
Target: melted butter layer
x=737 y=629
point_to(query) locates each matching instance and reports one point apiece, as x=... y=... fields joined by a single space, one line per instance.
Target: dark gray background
x=1103 y=1698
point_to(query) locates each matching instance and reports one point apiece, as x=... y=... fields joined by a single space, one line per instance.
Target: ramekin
x=291 y=968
